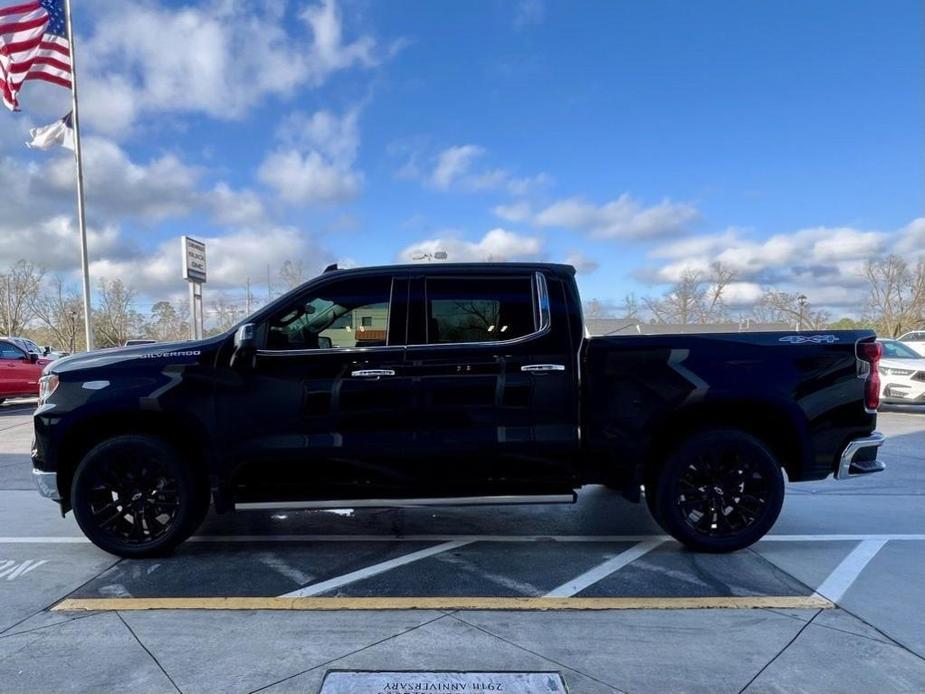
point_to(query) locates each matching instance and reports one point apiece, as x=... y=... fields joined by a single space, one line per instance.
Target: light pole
x=801 y=300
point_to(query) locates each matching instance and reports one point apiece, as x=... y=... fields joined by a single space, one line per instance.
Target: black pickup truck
x=450 y=384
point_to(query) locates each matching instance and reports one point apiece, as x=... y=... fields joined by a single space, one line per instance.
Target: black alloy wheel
x=719 y=491
x=135 y=497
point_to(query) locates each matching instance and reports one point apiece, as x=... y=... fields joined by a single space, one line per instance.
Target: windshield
x=897 y=350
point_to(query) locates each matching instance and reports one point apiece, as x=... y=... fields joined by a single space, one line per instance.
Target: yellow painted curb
x=487 y=603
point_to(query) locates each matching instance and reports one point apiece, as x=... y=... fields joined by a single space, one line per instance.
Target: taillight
x=870 y=352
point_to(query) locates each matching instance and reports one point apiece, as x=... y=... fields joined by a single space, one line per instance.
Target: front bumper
x=47 y=484
x=860 y=457
x=906 y=390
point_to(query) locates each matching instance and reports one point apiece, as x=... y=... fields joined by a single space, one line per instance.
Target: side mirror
x=47 y=350
x=324 y=342
x=33 y=357
x=245 y=343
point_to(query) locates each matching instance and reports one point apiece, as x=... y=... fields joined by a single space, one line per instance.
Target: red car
x=19 y=371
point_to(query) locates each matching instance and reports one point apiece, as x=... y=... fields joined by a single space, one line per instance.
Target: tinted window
x=8 y=351
x=479 y=309
x=913 y=337
x=349 y=313
x=897 y=350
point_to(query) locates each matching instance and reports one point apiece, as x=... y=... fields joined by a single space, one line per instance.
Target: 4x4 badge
x=815 y=339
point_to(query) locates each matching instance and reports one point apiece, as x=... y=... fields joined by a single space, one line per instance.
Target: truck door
x=493 y=388
x=18 y=374
x=323 y=412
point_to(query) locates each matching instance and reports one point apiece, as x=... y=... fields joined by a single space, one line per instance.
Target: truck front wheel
x=135 y=496
x=718 y=491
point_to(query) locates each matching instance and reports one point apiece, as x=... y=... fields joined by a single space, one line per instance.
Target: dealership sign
x=194 y=259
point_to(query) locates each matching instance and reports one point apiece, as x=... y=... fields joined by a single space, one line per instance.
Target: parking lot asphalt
x=832 y=601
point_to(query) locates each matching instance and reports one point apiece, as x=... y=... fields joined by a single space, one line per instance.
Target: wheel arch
x=776 y=425
x=188 y=437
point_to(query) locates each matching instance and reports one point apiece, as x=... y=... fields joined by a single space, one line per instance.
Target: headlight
x=48 y=384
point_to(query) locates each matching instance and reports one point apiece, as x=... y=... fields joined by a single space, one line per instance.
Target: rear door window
x=479 y=309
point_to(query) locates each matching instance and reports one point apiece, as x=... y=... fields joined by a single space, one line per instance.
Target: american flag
x=33 y=46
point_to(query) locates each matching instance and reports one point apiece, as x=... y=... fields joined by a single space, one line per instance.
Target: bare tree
x=595 y=308
x=292 y=274
x=59 y=310
x=168 y=321
x=697 y=297
x=226 y=312
x=115 y=319
x=777 y=306
x=896 y=295
x=19 y=286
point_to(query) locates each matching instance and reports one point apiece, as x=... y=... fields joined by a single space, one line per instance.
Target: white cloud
x=219 y=58
x=337 y=138
x=911 y=239
x=314 y=165
x=582 y=263
x=825 y=263
x=454 y=168
x=452 y=163
x=236 y=207
x=497 y=245
x=529 y=12
x=623 y=218
x=233 y=258
x=515 y=212
x=52 y=243
x=308 y=179
x=118 y=187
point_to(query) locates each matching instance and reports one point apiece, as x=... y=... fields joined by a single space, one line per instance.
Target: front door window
x=345 y=314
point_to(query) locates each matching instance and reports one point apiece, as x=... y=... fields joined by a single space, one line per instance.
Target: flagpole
x=81 y=218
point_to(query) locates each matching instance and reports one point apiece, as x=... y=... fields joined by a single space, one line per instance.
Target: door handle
x=542 y=367
x=372 y=373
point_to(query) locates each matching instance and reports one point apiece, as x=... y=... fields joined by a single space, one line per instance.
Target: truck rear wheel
x=134 y=496
x=719 y=491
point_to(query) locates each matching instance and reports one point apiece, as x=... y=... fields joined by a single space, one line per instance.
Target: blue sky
x=635 y=139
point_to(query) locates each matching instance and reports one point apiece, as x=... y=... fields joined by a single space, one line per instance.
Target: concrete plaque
x=364 y=682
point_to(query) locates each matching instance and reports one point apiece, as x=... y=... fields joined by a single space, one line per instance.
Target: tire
x=718 y=491
x=137 y=477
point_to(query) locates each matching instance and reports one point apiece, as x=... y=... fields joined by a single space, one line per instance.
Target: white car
x=915 y=340
x=902 y=373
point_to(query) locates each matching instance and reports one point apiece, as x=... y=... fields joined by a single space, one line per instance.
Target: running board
x=402 y=503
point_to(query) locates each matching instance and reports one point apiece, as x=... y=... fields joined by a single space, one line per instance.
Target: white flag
x=58 y=133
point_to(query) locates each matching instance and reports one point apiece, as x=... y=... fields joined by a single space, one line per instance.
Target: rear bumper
x=860 y=457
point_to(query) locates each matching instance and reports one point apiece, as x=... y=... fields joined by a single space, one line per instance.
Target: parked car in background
x=32 y=346
x=20 y=370
x=902 y=373
x=450 y=384
x=915 y=340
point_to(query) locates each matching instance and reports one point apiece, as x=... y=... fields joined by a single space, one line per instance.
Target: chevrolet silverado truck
x=450 y=384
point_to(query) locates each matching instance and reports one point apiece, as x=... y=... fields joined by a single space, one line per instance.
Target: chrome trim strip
x=47 y=484
x=543 y=367
x=875 y=440
x=400 y=503
x=366 y=373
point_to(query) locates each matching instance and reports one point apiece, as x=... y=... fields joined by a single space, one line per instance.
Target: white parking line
x=382 y=567
x=79 y=539
x=839 y=581
x=601 y=571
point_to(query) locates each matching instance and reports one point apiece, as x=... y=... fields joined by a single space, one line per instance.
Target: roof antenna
x=331 y=268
